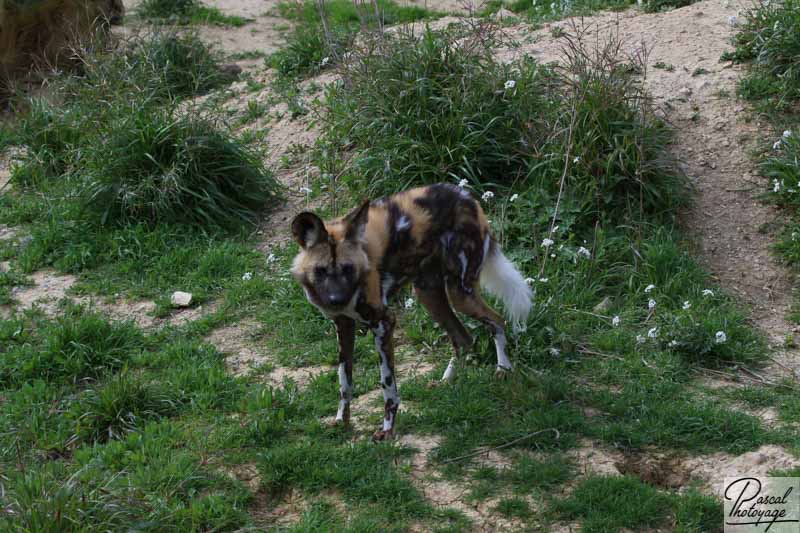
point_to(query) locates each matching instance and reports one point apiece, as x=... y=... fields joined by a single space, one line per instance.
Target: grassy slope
x=108 y=425
x=769 y=41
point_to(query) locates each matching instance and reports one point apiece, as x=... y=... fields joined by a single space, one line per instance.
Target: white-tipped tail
x=501 y=278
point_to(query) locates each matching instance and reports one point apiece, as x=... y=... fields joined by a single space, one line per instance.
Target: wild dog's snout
x=337 y=299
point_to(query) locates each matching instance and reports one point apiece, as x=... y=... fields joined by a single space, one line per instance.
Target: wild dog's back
x=409 y=230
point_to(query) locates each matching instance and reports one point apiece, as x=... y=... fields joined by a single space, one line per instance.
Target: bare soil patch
x=713 y=469
x=245 y=355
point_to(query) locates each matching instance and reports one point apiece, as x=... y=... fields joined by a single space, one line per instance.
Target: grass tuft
x=77 y=346
x=157 y=167
x=187 y=12
x=427 y=110
x=770 y=38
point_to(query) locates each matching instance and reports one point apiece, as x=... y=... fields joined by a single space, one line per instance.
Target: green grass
x=159 y=167
x=550 y=11
x=139 y=193
x=187 y=12
x=309 y=50
x=105 y=426
x=611 y=503
x=440 y=112
x=769 y=38
x=769 y=41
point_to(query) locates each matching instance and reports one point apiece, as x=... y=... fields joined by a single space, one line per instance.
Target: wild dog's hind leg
x=434 y=299
x=346 y=332
x=473 y=305
x=384 y=343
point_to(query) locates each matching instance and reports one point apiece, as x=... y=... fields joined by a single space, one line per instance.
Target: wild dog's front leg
x=384 y=343
x=346 y=331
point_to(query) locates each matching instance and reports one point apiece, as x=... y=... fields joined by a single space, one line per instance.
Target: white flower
x=776 y=144
x=325 y=61
x=720 y=337
x=544 y=280
x=553 y=256
x=776 y=186
x=513 y=197
x=555 y=352
x=547 y=243
x=640 y=339
x=672 y=343
x=584 y=252
x=651 y=304
x=649 y=288
x=530 y=281
x=409 y=303
x=787 y=134
x=247 y=276
x=510 y=84
x=653 y=333
x=462 y=183
x=488 y=195
x=305 y=190
x=615 y=321
x=708 y=292
x=686 y=305
x=577 y=159
x=271 y=258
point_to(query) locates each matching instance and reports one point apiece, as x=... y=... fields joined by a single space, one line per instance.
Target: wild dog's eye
x=320 y=272
x=348 y=270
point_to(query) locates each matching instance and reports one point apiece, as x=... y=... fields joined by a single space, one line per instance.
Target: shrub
x=187 y=12
x=180 y=65
x=309 y=48
x=306 y=49
x=165 y=9
x=154 y=166
x=117 y=151
x=443 y=110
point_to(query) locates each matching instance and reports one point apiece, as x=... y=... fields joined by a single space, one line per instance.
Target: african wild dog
x=437 y=238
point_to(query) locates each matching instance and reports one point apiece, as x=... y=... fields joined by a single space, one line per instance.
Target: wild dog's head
x=333 y=258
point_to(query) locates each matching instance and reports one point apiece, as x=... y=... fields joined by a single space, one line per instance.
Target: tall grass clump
x=179 y=63
x=324 y=31
x=77 y=346
x=770 y=39
x=186 y=12
x=160 y=65
x=157 y=167
x=443 y=110
x=120 y=148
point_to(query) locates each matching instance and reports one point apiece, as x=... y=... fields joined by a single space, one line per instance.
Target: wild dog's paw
x=383 y=435
x=502 y=373
x=339 y=423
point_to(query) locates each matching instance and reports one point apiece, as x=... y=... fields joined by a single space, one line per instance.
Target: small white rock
x=181 y=299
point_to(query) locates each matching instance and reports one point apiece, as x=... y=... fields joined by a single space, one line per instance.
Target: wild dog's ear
x=308 y=229
x=356 y=222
